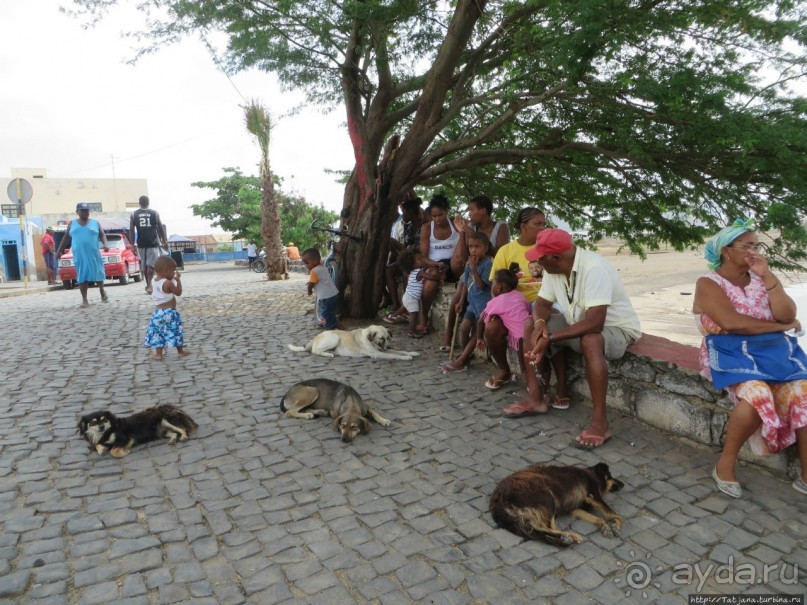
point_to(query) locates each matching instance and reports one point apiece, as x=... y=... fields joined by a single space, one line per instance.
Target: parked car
x=120 y=262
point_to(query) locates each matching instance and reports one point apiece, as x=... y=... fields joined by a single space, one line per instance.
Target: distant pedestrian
x=252 y=254
x=165 y=328
x=320 y=281
x=145 y=225
x=292 y=251
x=49 y=255
x=83 y=236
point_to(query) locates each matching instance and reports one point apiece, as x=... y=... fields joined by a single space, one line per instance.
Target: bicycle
x=330 y=262
x=259 y=264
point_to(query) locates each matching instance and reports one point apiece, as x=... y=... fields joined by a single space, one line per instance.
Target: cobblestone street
x=258 y=508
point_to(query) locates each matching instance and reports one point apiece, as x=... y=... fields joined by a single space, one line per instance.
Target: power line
x=121 y=160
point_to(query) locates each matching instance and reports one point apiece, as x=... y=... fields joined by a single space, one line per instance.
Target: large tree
x=236 y=208
x=651 y=120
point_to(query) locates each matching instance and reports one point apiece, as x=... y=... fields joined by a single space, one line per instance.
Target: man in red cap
x=596 y=319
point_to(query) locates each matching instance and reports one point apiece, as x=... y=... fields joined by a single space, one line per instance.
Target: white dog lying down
x=371 y=341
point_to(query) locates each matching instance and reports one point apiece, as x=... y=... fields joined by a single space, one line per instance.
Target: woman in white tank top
x=438 y=242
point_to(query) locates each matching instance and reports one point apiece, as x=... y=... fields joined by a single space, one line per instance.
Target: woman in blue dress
x=83 y=236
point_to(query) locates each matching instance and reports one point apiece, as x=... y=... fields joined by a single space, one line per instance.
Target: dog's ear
x=82 y=426
x=605 y=478
x=113 y=420
x=365 y=425
x=337 y=420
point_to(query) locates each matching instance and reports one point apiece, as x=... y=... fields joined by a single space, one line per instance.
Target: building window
x=95 y=207
x=9 y=210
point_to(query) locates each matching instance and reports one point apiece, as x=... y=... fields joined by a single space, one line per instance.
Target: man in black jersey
x=150 y=236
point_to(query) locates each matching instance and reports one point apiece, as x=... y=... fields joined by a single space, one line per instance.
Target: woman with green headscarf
x=743 y=311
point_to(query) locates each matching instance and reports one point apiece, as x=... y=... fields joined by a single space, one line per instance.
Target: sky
x=70 y=103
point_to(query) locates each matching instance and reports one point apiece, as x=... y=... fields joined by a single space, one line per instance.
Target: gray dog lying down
x=323 y=397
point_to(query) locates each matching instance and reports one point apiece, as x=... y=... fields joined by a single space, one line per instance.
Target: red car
x=120 y=262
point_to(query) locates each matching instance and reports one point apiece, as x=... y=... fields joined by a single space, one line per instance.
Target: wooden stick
x=454 y=337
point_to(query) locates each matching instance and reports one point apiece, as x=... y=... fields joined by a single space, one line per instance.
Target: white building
x=58 y=197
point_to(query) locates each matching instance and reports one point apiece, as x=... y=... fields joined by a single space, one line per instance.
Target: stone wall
x=657 y=382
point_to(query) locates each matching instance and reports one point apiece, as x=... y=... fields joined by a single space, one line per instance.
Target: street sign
x=20 y=191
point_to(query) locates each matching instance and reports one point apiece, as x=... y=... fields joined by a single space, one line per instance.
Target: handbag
x=736 y=358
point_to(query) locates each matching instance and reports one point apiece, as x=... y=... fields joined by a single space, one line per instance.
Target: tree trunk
x=369 y=213
x=363 y=263
x=270 y=230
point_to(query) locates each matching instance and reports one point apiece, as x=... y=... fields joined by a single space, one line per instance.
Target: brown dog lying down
x=323 y=397
x=527 y=502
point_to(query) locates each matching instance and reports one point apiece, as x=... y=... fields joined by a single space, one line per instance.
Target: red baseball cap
x=549 y=241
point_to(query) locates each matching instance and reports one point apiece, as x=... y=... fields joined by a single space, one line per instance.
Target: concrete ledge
x=658 y=382
x=295 y=266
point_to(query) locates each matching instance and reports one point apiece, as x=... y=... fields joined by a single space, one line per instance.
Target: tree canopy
x=237 y=209
x=649 y=120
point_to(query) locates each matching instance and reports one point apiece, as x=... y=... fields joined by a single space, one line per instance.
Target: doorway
x=11 y=260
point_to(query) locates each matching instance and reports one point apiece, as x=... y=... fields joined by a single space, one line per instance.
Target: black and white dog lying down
x=105 y=431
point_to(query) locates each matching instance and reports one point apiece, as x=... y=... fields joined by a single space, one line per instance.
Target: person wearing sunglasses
x=743 y=312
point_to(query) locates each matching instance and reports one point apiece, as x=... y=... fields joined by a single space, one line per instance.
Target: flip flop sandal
x=449 y=369
x=415 y=335
x=105 y=298
x=599 y=440
x=561 y=403
x=522 y=414
x=444 y=348
x=423 y=329
x=495 y=384
x=800 y=486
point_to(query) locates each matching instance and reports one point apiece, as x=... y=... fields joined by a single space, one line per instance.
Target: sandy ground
x=662 y=287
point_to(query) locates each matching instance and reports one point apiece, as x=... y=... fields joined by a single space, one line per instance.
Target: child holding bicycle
x=320 y=282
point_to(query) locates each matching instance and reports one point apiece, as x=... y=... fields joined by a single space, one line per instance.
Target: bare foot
x=183 y=353
x=156 y=357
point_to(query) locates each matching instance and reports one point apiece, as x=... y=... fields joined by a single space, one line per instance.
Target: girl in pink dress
x=742 y=296
x=508 y=306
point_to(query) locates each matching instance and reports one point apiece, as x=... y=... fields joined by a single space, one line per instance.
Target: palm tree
x=259 y=124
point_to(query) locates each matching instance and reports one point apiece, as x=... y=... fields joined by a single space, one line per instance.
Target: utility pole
x=114 y=180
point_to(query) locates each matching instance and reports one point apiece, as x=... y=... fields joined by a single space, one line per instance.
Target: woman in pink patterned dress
x=742 y=296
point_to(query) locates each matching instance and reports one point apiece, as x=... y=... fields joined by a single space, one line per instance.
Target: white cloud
x=70 y=102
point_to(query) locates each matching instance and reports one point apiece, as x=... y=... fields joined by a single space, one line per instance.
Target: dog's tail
x=530 y=523
x=298 y=348
x=177 y=417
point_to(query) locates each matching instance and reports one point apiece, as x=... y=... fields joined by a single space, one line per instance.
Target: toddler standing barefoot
x=165 y=329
